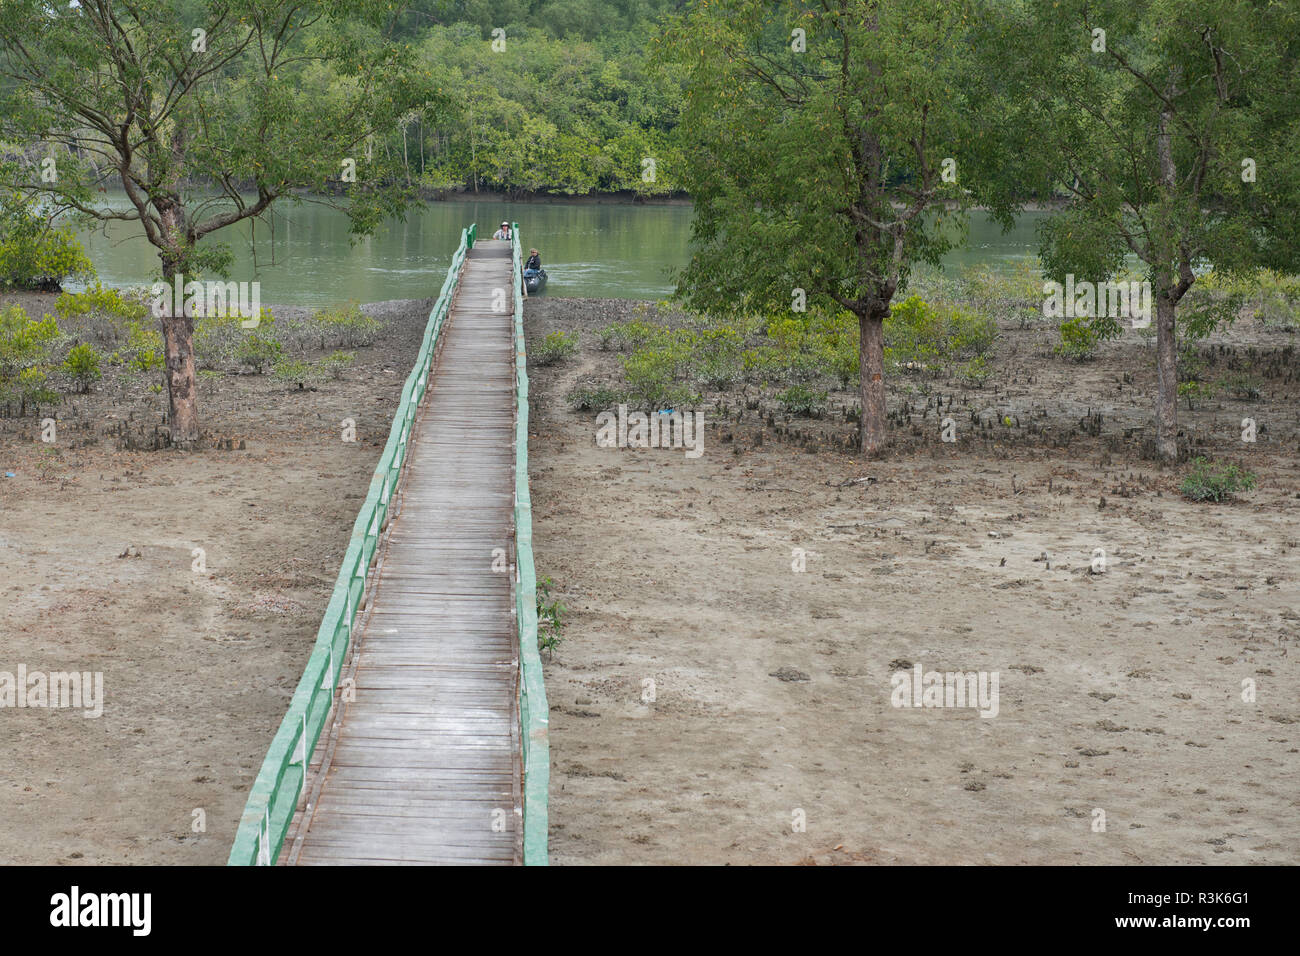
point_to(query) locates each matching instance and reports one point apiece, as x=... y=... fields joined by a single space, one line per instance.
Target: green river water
x=616 y=250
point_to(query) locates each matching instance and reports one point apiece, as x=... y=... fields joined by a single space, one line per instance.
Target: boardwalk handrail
x=534 y=715
x=279 y=785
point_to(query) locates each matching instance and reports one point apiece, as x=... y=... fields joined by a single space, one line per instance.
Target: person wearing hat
x=534 y=260
x=503 y=232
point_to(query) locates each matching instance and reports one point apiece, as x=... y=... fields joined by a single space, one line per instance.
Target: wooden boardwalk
x=423 y=766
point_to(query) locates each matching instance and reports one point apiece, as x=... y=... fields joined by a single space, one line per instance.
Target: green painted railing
x=279 y=785
x=534 y=715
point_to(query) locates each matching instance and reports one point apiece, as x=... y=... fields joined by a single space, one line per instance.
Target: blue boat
x=534 y=280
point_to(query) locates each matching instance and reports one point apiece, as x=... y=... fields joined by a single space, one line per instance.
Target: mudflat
x=199 y=653
x=711 y=704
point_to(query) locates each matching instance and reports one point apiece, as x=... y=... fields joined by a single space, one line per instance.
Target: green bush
x=1078 y=340
x=654 y=377
x=1243 y=387
x=1272 y=298
x=27 y=349
x=143 y=351
x=34 y=254
x=105 y=314
x=801 y=400
x=216 y=340
x=258 y=351
x=626 y=336
x=975 y=372
x=336 y=363
x=1015 y=285
x=550 y=618
x=1215 y=481
x=1277 y=300
x=585 y=398
x=82 y=364
x=918 y=334
x=346 y=326
x=555 y=347
x=293 y=372
x=718 y=372
x=834 y=342
x=1193 y=392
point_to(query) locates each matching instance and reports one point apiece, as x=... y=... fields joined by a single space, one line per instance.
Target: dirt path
x=1119 y=692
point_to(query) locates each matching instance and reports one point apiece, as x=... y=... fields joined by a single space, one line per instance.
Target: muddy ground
x=99 y=574
x=1121 y=734
x=1119 y=692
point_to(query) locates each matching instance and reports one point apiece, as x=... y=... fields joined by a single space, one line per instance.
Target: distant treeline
x=564 y=101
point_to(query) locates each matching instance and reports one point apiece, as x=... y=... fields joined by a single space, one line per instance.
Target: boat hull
x=534 y=281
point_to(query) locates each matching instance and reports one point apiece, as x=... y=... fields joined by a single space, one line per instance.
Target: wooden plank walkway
x=423 y=767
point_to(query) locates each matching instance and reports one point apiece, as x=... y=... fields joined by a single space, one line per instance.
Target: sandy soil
x=1119 y=692
x=98 y=574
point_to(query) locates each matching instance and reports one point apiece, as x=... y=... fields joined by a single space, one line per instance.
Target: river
x=613 y=250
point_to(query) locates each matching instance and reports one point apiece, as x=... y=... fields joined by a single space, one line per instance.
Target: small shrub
x=969 y=334
x=1078 y=340
x=918 y=334
x=82 y=364
x=975 y=372
x=1277 y=301
x=1215 y=481
x=346 y=326
x=336 y=363
x=801 y=400
x=627 y=336
x=1242 y=387
x=550 y=618
x=1015 y=285
x=257 y=351
x=291 y=372
x=1193 y=392
x=718 y=372
x=215 y=341
x=653 y=375
x=104 y=314
x=555 y=347
x=143 y=351
x=764 y=364
x=27 y=356
x=217 y=338
x=594 y=398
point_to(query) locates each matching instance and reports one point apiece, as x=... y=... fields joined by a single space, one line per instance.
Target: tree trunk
x=182 y=385
x=1166 y=300
x=1167 y=378
x=872 y=430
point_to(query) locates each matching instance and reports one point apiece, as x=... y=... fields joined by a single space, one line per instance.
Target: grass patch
x=1215 y=481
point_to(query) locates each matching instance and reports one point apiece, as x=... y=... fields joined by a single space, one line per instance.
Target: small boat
x=534 y=280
